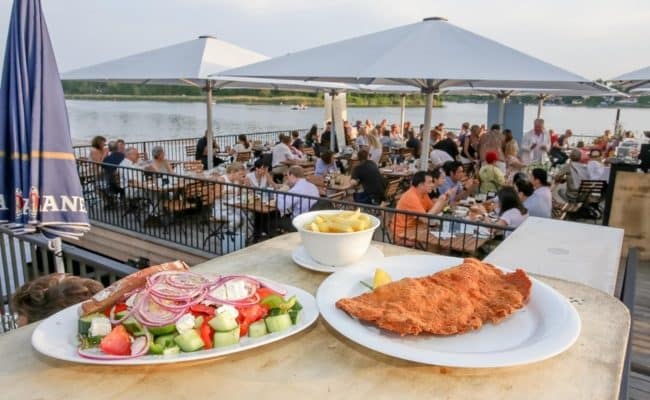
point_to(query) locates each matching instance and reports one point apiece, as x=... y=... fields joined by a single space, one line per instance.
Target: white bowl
x=335 y=249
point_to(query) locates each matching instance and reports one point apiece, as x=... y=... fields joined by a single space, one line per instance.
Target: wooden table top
x=321 y=364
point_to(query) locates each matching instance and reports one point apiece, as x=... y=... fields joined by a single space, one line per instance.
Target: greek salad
x=179 y=311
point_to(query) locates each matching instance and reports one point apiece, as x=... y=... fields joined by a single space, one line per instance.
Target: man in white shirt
x=439 y=157
x=296 y=205
x=540 y=203
x=282 y=155
x=535 y=145
x=131 y=156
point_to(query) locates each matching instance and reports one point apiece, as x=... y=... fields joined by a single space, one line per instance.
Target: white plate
x=56 y=336
x=300 y=257
x=547 y=326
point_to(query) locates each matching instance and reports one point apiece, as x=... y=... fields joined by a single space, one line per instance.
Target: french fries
x=343 y=222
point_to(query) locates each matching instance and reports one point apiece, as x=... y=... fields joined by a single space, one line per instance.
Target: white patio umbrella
x=503 y=94
x=439 y=55
x=189 y=62
x=636 y=82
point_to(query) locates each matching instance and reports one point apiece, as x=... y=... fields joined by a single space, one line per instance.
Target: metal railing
x=176 y=149
x=218 y=218
x=27 y=257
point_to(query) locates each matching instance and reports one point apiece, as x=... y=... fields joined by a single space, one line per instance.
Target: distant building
x=631 y=100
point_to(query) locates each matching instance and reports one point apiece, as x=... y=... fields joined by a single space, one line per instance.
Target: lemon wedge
x=381 y=278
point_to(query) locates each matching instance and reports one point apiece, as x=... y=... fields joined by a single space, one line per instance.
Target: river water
x=143 y=120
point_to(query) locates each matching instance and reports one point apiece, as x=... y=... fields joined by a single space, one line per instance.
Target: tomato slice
x=117 y=342
x=202 y=309
x=248 y=315
x=118 y=307
x=206 y=335
x=265 y=292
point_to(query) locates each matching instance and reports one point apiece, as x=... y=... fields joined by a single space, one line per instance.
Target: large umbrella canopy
x=40 y=186
x=636 y=81
x=437 y=53
x=542 y=94
x=191 y=62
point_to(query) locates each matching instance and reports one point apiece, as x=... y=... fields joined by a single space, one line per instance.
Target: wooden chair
x=311 y=170
x=391 y=192
x=193 y=166
x=243 y=156
x=586 y=205
x=559 y=211
x=319 y=181
x=190 y=151
x=385 y=156
x=308 y=151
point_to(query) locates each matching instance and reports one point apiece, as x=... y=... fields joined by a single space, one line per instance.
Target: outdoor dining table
x=573 y=251
x=396 y=173
x=464 y=243
x=302 y=163
x=319 y=363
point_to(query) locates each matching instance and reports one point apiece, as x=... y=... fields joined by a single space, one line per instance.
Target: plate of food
x=448 y=311
x=168 y=314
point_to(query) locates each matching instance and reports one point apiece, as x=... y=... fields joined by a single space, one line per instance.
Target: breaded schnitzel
x=456 y=300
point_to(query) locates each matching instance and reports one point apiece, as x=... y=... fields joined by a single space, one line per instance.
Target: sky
x=593 y=38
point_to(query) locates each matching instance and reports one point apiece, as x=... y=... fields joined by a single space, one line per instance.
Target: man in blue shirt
x=455 y=173
x=540 y=203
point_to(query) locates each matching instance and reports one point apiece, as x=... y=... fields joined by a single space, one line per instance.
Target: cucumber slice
x=166 y=340
x=162 y=330
x=156 y=348
x=89 y=342
x=198 y=321
x=257 y=329
x=133 y=327
x=189 y=341
x=294 y=315
x=223 y=322
x=85 y=321
x=222 y=339
x=171 y=351
x=294 y=312
x=278 y=323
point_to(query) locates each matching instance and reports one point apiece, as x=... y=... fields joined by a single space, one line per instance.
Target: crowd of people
x=524 y=179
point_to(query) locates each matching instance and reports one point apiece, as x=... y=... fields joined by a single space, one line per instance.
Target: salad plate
x=303 y=259
x=545 y=327
x=57 y=336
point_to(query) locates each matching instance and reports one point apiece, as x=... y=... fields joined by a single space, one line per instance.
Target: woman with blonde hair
x=374 y=147
x=50 y=294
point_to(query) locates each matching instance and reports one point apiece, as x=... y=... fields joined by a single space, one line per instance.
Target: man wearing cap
x=536 y=143
x=490 y=176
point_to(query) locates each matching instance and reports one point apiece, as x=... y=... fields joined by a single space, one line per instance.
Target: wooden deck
x=639 y=387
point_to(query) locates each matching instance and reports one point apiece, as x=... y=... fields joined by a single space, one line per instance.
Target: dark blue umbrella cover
x=40 y=186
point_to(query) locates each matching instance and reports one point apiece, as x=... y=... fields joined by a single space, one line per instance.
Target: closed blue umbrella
x=40 y=187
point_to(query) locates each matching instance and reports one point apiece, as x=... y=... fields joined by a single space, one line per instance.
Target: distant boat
x=299 y=107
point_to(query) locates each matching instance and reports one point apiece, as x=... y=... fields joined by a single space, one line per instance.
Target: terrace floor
x=640 y=375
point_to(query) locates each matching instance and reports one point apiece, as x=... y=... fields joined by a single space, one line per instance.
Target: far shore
x=293 y=100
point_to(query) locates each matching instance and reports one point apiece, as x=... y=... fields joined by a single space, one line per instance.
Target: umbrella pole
x=502 y=110
x=333 y=131
x=208 y=132
x=56 y=246
x=540 y=104
x=426 y=134
x=402 y=115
